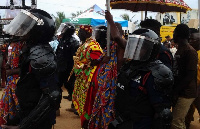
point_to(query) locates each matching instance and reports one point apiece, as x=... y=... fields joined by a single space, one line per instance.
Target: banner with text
x=165 y=31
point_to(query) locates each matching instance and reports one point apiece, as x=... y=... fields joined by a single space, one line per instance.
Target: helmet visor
x=64 y=27
x=21 y=24
x=138 y=48
x=60 y=29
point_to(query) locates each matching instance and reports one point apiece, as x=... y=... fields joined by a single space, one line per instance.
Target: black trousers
x=63 y=80
x=45 y=125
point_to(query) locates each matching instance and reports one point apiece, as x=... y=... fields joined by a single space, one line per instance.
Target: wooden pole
x=142 y=18
x=108 y=29
x=145 y=14
x=199 y=14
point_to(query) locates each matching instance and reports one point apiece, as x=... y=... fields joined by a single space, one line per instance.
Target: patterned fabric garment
x=83 y=70
x=9 y=102
x=3 y=69
x=103 y=108
x=198 y=70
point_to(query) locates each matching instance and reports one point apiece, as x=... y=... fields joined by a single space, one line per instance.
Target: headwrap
x=87 y=28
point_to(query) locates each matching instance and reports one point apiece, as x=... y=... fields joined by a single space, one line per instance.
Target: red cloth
x=91 y=94
x=3 y=71
x=95 y=54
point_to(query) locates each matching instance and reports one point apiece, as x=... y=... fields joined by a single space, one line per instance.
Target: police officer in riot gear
x=37 y=89
x=65 y=51
x=144 y=85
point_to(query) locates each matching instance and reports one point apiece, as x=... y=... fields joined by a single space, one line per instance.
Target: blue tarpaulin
x=96 y=22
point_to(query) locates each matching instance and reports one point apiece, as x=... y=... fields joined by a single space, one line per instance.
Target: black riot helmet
x=143 y=45
x=100 y=35
x=34 y=25
x=66 y=29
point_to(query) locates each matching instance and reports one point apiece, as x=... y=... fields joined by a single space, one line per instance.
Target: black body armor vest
x=65 y=51
x=138 y=106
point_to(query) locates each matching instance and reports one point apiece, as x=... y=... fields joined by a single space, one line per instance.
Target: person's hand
x=106 y=59
x=9 y=127
x=108 y=16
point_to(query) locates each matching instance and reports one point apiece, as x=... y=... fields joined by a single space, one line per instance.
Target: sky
x=70 y=6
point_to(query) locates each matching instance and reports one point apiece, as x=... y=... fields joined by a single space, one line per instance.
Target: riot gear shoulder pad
x=163 y=76
x=42 y=60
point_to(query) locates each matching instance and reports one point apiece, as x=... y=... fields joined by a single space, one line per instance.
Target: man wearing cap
x=85 y=69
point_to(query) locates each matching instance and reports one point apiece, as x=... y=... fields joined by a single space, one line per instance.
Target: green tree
x=77 y=13
x=125 y=17
x=59 y=18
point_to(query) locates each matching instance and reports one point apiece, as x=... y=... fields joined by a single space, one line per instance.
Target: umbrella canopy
x=151 y=5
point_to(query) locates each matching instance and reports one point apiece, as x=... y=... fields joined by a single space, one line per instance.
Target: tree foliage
x=59 y=18
x=125 y=17
x=77 y=13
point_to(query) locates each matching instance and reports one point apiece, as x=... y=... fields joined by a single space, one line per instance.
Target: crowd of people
x=143 y=84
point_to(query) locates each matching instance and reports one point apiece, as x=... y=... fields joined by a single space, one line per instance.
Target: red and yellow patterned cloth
x=4 y=47
x=151 y=5
x=87 y=28
x=9 y=102
x=84 y=71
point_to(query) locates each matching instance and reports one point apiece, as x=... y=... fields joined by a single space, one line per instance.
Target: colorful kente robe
x=9 y=102
x=103 y=108
x=84 y=71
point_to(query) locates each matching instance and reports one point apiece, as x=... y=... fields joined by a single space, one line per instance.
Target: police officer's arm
x=114 y=31
x=159 y=86
x=163 y=115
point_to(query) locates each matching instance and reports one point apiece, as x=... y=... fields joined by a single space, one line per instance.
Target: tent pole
x=108 y=29
x=142 y=16
x=145 y=14
x=199 y=15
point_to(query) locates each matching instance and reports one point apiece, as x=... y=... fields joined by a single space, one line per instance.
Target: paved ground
x=68 y=120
